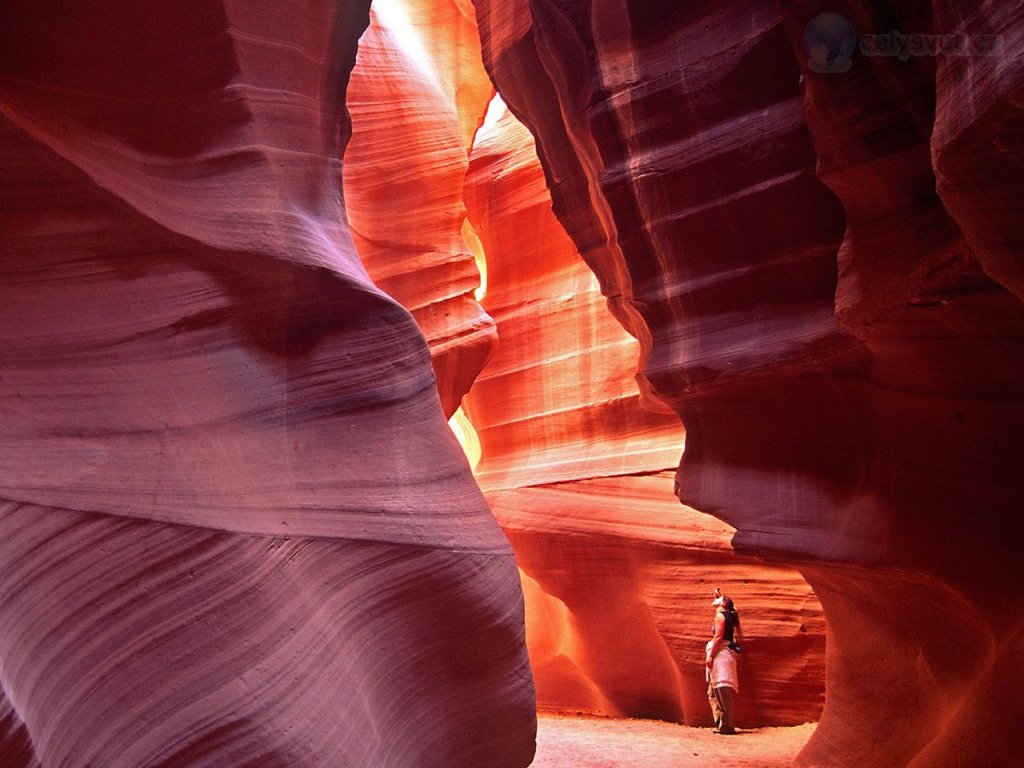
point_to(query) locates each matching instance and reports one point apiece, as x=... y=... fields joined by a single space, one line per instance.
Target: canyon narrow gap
x=373 y=378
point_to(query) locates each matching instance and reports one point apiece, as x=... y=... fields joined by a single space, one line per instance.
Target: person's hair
x=727 y=603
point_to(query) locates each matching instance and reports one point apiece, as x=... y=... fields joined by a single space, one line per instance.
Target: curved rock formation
x=415 y=102
x=932 y=301
x=577 y=466
x=562 y=427
x=842 y=344
x=234 y=526
x=220 y=543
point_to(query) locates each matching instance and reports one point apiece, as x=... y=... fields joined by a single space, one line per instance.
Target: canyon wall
x=417 y=93
x=821 y=266
x=575 y=460
x=234 y=526
x=577 y=465
x=220 y=543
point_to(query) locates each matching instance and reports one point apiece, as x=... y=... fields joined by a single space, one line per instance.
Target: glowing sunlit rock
x=412 y=95
x=578 y=469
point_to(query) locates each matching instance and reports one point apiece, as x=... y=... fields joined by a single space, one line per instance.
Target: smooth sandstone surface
x=235 y=528
x=823 y=271
x=219 y=542
x=416 y=99
x=577 y=464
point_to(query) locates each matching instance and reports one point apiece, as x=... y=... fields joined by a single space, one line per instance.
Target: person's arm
x=717 y=641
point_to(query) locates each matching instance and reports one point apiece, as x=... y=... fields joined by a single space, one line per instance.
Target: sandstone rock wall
x=418 y=92
x=842 y=343
x=577 y=459
x=219 y=542
x=231 y=514
x=577 y=466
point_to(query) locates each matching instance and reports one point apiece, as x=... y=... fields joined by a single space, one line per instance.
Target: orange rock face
x=414 y=105
x=577 y=466
x=576 y=463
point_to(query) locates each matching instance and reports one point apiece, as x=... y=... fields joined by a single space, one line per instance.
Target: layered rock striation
x=219 y=541
x=575 y=459
x=417 y=93
x=234 y=526
x=819 y=265
x=577 y=465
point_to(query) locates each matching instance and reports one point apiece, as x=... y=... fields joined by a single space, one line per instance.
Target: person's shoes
x=726 y=731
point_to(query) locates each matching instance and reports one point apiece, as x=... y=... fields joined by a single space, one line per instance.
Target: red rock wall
x=219 y=541
x=576 y=463
x=577 y=466
x=217 y=525
x=933 y=305
x=842 y=344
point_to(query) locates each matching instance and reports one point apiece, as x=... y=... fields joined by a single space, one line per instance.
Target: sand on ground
x=591 y=742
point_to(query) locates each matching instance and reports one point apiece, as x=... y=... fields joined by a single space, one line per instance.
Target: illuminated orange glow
x=477 y=249
x=465 y=433
x=463 y=428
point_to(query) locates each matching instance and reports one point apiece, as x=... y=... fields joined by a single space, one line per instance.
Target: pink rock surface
x=219 y=542
x=842 y=344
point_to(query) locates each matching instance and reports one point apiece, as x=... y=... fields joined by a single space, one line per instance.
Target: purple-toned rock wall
x=823 y=269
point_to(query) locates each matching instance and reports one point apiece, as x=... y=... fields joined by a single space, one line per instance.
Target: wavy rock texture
x=934 y=307
x=577 y=466
x=618 y=578
x=977 y=117
x=219 y=542
x=557 y=412
x=417 y=93
x=842 y=343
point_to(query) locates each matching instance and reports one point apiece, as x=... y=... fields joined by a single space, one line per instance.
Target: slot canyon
x=373 y=378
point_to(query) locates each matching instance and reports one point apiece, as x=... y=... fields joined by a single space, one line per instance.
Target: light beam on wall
x=466 y=434
x=459 y=422
x=477 y=249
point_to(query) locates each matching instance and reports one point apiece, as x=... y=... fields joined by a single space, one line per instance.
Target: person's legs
x=716 y=707
x=725 y=697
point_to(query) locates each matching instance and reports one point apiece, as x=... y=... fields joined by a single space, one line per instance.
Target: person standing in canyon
x=720 y=663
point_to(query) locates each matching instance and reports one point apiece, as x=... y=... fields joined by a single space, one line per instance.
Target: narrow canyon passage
x=723 y=295
x=792 y=360
x=575 y=462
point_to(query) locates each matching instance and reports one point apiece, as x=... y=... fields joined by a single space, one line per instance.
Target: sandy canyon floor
x=573 y=742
